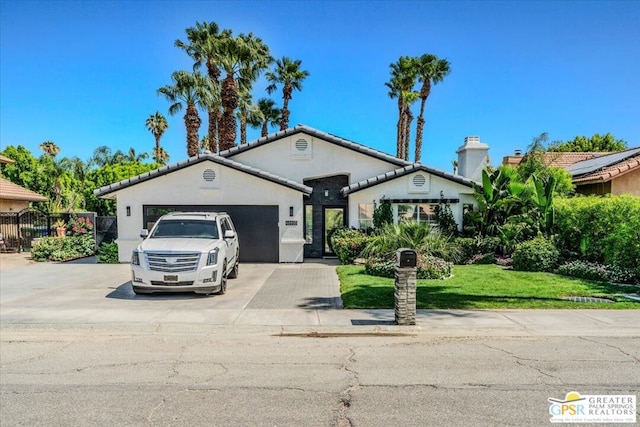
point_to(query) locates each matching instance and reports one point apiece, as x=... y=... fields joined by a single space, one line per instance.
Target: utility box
x=406 y=257
x=405 y=287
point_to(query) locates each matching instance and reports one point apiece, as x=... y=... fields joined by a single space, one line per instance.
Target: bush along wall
x=604 y=230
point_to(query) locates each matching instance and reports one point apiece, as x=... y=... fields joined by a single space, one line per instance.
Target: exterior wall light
x=290 y=210
x=128 y=210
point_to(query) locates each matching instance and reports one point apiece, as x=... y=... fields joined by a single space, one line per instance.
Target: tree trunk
x=399 y=144
x=213 y=131
x=243 y=130
x=419 y=130
x=265 y=129
x=192 y=123
x=286 y=96
x=229 y=98
x=420 y=127
x=407 y=132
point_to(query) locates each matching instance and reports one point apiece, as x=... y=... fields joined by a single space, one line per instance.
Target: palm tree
x=188 y=91
x=242 y=58
x=102 y=156
x=157 y=125
x=132 y=156
x=248 y=112
x=403 y=77
x=269 y=115
x=431 y=70
x=287 y=73
x=204 y=42
x=50 y=148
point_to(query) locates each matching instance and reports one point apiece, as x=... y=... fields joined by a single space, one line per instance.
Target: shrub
x=423 y=238
x=63 y=248
x=598 y=272
x=605 y=229
x=445 y=220
x=538 y=254
x=79 y=226
x=468 y=247
x=348 y=244
x=489 y=258
x=428 y=267
x=108 y=253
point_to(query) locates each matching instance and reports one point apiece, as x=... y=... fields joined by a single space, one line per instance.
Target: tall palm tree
x=204 y=42
x=287 y=72
x=248 y=114
x=242 y=58
x=50 y=148
x=431 y=70
x=403 y=77
x=157 y=125
x=270 y=115
x=188 y=91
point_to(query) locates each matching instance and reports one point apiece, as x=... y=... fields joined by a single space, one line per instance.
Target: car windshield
x=186 y=228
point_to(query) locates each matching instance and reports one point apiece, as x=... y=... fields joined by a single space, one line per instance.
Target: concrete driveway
x=82 y=292
x=295 y=296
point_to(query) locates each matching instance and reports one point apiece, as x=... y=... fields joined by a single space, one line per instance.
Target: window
x=420 y=212
x=365 y=215
x=308 y=223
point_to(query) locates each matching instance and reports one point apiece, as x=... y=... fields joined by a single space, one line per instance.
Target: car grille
x=158 y=283
x=172 y=262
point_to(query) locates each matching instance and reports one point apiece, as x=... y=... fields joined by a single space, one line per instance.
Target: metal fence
x=19 y=229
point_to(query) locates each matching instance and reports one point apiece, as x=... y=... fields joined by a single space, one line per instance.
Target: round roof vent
x=209 y=175
x=302 y=145
x=419 y=180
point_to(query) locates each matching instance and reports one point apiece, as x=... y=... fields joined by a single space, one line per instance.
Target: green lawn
x=482 y=287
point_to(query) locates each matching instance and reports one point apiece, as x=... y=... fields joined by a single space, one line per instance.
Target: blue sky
x=85 y=73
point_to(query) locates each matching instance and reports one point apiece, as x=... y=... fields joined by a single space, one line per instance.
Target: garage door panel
x=257 y=228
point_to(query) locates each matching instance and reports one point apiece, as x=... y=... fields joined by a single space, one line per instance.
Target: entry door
x=334 y=217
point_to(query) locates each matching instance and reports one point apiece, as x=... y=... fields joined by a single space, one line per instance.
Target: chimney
x=517 y=153
x=472 y=158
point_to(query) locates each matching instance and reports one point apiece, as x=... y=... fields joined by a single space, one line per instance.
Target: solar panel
x=597 y=163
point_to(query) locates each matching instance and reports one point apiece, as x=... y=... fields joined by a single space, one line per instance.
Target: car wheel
x=223 y=280
x=234 y=271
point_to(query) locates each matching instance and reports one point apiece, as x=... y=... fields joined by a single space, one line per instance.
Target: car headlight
x=135 y=258
x=212 y=259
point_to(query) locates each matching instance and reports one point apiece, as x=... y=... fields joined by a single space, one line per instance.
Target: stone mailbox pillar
x=405 y=287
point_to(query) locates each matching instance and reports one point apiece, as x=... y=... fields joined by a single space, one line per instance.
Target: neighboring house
x=14 y=198
x=596 y=173
x=287 y=190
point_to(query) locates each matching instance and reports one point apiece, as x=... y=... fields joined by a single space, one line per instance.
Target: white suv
x=186 y=251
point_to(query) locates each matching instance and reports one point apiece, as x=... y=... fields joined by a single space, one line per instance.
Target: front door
x=333 y=217
x=324 y=208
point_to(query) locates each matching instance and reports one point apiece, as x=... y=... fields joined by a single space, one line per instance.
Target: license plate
x=171 y=278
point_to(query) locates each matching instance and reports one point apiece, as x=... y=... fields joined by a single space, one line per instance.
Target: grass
x=482 y=287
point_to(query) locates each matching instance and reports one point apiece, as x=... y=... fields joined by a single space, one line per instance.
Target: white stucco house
x=286 y=190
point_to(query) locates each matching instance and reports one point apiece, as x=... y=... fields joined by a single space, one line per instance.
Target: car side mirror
x=144 y=233
x=229 y=234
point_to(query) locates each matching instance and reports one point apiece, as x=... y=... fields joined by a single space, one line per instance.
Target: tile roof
x=318 y=134
x=11 y=191
x=605 y=168
x=566 y=159
x=108 y=189
x=414 y=167
x=4 y=159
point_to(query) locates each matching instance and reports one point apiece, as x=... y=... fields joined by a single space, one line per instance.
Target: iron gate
x=18 y=229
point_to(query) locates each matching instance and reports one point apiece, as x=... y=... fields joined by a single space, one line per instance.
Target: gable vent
x=209 y=175
x=419 y=181
x=302 y=145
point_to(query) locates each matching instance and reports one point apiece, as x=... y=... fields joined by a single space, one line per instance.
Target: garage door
x=257 y=227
